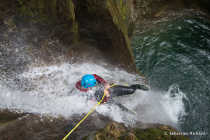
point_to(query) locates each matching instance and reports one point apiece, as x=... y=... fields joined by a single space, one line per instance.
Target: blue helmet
x=88 y=80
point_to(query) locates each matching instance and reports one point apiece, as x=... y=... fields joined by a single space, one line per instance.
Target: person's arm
x=99 y=79
x=101 y=92
x=106 y=90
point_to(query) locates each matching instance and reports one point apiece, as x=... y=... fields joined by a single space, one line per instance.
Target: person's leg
x=120 y=90
x=138 y=86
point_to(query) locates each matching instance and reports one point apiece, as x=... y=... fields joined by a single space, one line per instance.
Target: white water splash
x=52 y=91
x=150 y=107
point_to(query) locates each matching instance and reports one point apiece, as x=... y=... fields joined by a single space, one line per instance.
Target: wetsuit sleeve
x=99 y=79
x=99 y=95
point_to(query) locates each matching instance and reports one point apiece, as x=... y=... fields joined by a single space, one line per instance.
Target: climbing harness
x=91 y=111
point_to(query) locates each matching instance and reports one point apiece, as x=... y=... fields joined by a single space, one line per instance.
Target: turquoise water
x=178 y=52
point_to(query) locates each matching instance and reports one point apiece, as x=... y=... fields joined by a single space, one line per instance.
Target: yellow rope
x=91 y=111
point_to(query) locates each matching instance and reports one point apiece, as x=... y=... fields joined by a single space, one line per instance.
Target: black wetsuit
x=119 y=90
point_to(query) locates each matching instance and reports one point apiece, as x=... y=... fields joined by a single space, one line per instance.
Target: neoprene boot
x=138 y=86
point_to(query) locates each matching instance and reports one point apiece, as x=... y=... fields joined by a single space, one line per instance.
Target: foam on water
x=150 y=107
x=52 y=91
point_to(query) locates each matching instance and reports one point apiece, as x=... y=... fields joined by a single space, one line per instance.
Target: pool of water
x=177 y=53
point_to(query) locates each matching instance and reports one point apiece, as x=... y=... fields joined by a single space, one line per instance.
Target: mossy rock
x=128 y=136
x=157 y=134
x=7 y=117
x=116 y=131
x=111 y=131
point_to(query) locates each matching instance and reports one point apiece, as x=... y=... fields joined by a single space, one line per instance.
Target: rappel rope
x=91 y=111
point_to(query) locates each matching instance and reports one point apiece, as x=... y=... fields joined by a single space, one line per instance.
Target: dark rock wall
x=6 y=8
x=104 y=22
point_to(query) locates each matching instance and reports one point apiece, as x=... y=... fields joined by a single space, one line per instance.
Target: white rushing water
x=52 y=91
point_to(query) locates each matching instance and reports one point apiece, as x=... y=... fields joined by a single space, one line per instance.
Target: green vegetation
x=116 y=131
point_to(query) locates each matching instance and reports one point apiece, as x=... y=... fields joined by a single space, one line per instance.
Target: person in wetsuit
x=91 y=80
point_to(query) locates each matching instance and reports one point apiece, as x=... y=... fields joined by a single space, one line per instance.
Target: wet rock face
x=6 y=117
x=4 y=11
x=107 y=23
x=35 y=127
x=95 y=127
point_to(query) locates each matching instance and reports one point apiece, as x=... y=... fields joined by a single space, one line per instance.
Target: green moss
x=71 y=9
x=40 y=6
x=156 y=134
x=128 y=136
x=92 y=6
x=116 y=131
x=72 y=17
x=123 y=9
x=119 y=14
x=75 y=30
x=47 y=8
x=7 y=117
x=53 y=8
x=24 y=9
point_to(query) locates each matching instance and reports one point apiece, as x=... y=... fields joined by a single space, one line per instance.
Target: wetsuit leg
x=138 y=86
x=119 y=90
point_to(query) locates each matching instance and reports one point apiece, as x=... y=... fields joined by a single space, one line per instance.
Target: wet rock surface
x=105 y=22
x=32 y=127
x=35 y=127
x=6 y=116
x=24 y=44
x=96 y=127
